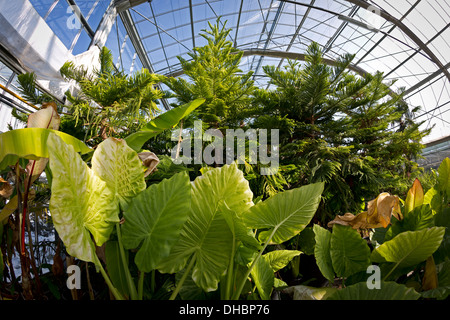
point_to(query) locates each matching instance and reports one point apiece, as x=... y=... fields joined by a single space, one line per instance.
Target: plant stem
x=230 y=273
x=183 y=278
x=244 y=279
x=141 y=285
x=153 y=281
x=130 y=283
x=392 y=270
x=111 y=287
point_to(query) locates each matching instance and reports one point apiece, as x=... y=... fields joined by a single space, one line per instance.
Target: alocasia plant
x=81 y=203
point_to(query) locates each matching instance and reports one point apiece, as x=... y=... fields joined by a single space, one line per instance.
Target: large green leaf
x=237 y=227
x=388 y=291
x=302 y=292
x=443 y=179
x=154 y=219
x=433 y=197
x=115 y=266
x=31 y=143
x=442 y=219
x=443 y=289
x=120 y=167
x=163 y=122
x=421 y=217
x=410 y=247
x=322 y=252
x=262 y=275
x=285 y=214
x=349 y=252
x=206 y=236
x=81 y=204
x=414 y=197
x=279 y=259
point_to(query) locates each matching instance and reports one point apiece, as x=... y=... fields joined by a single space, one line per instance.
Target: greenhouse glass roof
x=407 y=40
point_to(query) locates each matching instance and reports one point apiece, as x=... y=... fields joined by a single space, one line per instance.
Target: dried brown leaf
x=150 y=160
x=378 y=214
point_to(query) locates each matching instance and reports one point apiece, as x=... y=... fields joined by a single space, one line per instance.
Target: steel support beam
x=406 y=31
x=339 y=30
x=283 y=55
x=427 y=79
x=417 y=50
x=191 y=13
x=389 y=31
x=269 y=36
x=81 y=17
x=122 y=5
x=238 y=22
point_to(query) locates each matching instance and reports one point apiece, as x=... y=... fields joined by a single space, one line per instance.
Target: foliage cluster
x=227 y=232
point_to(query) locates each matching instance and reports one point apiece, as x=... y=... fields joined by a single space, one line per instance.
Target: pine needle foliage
x=110 y=102
x=213 y=74
x=351 y=132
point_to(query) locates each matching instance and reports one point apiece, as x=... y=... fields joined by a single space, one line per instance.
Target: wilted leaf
x=9 y=208
x=149 y=160
x=378 y=214
x=6 y=189
x=419 y=218
x=47 y=118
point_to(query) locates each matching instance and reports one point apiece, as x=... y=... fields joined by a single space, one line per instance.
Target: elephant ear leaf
x=154 y=220
x=31 y=143
x=120 y=167
x=284 y=215
x=206 y=232
x=81 y=204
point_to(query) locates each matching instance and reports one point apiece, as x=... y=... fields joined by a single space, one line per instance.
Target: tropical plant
x=409 y=248
x=29 y=148
x=110 y=102
x=201 y=230
x=214 y=74
x=337 y=128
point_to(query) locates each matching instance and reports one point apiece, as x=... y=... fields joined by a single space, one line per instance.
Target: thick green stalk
x=183 y=278
x=153 y=281
x=130 y=283
x=111 y=287
x=141 y=285
x=244 y=279
x=230 y=273
x=392 y=270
